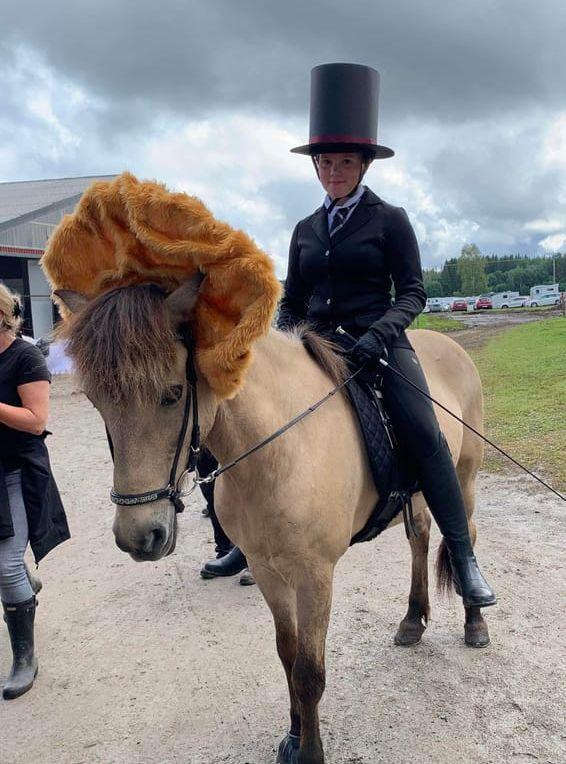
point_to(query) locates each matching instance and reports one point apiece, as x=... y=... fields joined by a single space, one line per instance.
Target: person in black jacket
x=344 y=260
x=30 y=506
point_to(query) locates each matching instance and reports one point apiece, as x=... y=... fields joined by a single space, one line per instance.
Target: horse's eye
x=172 y=395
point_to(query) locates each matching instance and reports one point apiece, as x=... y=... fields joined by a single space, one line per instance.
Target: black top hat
x=343 y=111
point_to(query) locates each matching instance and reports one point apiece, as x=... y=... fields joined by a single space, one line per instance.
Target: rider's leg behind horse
x=229 y=559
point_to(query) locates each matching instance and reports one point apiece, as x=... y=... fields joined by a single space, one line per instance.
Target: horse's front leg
x=314 y=598
x=282 y=602
x=414 y=623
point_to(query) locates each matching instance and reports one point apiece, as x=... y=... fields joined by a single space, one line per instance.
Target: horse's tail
x=444 y=580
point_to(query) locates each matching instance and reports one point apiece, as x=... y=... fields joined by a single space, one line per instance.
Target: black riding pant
x=423 y=444
x=411 y=413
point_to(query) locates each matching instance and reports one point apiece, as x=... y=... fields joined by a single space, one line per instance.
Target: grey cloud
x=463 y=74
x=498 y=179
x=438 y=59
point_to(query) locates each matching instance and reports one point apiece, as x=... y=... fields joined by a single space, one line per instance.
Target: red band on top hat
x=340 y=139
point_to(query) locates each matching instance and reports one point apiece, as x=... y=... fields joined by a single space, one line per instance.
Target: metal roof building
x=29 y=210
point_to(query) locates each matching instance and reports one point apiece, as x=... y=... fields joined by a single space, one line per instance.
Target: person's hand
x=368 y=349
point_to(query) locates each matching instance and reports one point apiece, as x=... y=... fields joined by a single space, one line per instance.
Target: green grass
x=524 y=377
x=437 y=322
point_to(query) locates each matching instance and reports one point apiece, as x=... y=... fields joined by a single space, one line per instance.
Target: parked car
x=544 y=299
x=459 y=305
x=514 y=302
x=484 y=303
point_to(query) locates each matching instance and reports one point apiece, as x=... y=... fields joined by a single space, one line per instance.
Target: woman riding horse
x=342 y=261
x=295 y=505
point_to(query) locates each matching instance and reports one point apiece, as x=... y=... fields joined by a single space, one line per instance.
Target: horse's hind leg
x=476 y=633
x=415 y=621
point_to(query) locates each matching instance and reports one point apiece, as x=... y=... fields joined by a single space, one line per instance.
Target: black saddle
x=392 y=476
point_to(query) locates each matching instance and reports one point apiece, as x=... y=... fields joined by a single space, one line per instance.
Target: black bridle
x=172 y=490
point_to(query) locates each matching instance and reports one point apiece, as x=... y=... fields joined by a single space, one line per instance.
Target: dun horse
x=294 y=505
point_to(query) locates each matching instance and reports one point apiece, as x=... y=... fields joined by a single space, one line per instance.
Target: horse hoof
x=246 y=578
x=476 y=635
x=289 y=750
x=409 y=633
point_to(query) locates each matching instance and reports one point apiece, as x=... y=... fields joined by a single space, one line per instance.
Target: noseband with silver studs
x=172 y=490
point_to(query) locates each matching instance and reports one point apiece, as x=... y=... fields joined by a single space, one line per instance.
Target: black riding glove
x=368 y=349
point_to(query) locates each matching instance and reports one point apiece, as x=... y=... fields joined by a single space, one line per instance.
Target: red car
x=483 y=303
x=459 y=305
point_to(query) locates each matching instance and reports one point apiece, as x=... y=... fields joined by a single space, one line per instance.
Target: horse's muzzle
x=157 y=542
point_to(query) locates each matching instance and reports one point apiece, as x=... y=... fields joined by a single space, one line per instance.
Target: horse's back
x=453 y=380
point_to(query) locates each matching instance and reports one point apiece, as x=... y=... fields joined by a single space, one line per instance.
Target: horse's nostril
x=155 y=540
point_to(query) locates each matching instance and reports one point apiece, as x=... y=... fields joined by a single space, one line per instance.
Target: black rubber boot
x=232 y=563
x=441 y=489
x=20 y=619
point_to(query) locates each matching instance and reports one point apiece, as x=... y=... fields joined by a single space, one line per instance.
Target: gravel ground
x=148 y=664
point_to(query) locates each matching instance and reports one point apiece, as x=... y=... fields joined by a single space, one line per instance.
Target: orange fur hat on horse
x=127 y=232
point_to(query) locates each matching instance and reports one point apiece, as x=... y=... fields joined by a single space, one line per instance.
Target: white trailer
x=543 y=290
x=505 y=299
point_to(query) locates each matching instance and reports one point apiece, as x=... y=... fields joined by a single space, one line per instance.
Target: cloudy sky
x=210 y=96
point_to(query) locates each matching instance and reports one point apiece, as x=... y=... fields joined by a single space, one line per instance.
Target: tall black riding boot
x=20 y=619
x=441 y=489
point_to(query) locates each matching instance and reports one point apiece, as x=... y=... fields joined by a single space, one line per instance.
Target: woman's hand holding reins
x=368 y=349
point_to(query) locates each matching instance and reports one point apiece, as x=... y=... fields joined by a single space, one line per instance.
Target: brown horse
x=294 y=505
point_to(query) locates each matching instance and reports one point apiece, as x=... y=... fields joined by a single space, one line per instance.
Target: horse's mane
x=122 y=344
x=325 y=353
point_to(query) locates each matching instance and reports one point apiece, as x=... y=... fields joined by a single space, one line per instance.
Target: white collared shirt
x=350 y=204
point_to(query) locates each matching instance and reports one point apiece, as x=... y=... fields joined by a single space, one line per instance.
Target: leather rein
x=172 y=490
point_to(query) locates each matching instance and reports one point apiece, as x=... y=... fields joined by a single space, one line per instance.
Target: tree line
x=473 y=273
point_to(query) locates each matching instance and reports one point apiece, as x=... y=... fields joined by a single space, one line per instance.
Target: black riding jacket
x=346 y=280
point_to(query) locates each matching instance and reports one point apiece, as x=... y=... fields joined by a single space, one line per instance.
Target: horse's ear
x=182 y=301
x=73 y=301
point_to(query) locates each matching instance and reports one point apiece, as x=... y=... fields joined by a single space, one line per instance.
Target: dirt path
x=148 y=664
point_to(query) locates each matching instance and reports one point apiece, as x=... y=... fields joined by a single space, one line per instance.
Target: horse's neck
x=281 y=382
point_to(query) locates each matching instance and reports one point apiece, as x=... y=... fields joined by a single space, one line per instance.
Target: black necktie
x=339 y=218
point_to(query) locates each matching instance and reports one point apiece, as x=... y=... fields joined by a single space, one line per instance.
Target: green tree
x=471 y=269
x=432 y=283
x=450 y=278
